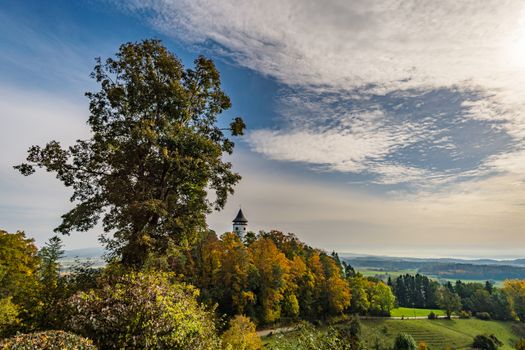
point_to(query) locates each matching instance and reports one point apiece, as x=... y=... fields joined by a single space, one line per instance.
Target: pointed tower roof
x=240 y=217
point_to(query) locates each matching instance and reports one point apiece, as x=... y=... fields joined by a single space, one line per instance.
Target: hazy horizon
x=390 y=254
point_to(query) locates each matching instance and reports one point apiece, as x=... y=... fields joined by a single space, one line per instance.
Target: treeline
x=274 y=276
x=479 y=299
x=472 y=271
x=269 y=276
x=415 y=291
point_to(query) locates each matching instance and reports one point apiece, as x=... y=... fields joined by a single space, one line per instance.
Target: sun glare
x=515 y=46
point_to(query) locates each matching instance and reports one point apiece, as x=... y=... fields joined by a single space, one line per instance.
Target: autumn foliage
x=143 y=311
x=47 y=340
x=241 y=335
x=269 y=277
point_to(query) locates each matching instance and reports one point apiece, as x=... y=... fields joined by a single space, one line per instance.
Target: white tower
x=240 y=224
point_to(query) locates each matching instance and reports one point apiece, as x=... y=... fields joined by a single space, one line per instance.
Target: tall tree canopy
x=155 y=151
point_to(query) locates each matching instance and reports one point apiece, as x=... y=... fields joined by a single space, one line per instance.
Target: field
x=438 y=334
x=384 y=274
x=410 y=312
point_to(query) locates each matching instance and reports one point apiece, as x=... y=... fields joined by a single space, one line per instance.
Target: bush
x=432 y=315
x=241 y=335
x=518 y=329
x=422 y=346
x=350 y=334
x=308 y=337
x=405 y=342
x=483 y=316
x=50 y=340
x=8 y=314
x=486 y=342
x=465 y=314
x=520 y=345
x=143 y=311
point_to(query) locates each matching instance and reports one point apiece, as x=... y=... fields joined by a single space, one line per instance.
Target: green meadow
x=380 y=273
x=412 y=312
x=437 y=334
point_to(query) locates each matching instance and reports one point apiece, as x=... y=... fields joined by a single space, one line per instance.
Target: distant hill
x=519 y=261
x=415 y=261
x=84 y=253
x=447 y=268
x=471 y=271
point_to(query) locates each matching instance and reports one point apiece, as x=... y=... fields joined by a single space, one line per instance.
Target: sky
x=384 y=127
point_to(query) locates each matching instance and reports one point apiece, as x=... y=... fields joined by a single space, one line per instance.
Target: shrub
x=432 y=315
x=483 y=316
x=486 y=342
x=8 y=314
x=50 y=340
x=354 y=328
x=465 y=314
x=143 y=311
x=308 y=337
x=519 y=329
x=241 y=335
x=520 y=345
x=405 y=342
x=422 y=346
x=350 y=334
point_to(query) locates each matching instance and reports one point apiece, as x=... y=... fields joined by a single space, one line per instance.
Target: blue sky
x=386 y=128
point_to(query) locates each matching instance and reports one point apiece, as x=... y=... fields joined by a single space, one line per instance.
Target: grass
x=384 y=274
x=437 y=334
x=412 y=312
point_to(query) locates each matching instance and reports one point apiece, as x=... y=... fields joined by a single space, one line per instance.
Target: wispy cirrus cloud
x=359 y=142
x=404 y=91
x=411 y=137
x=354 y=43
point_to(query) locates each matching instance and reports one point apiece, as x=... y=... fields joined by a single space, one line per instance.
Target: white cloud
x=512 y=163
x=358 y=139
x=350 y=43
x=353 y=49
x=358 y=147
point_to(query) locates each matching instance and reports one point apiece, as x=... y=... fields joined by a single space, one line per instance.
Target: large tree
x=448 y=301
x=155 y=152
